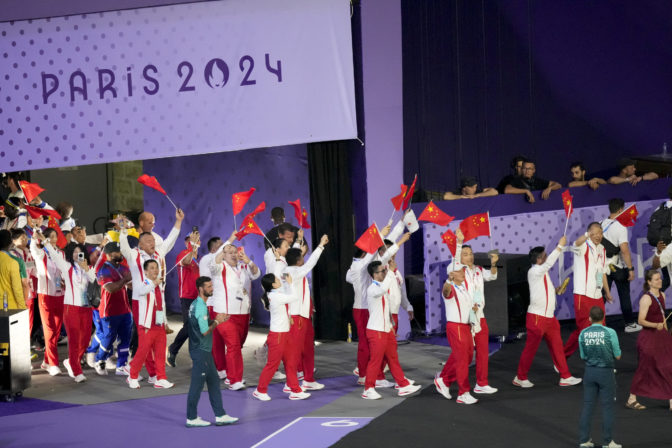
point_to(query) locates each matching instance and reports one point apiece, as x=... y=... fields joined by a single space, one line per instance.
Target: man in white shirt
x=214 y=244
x=146 y=222
x=541 y=322
x=590 y=276
x=621 y=270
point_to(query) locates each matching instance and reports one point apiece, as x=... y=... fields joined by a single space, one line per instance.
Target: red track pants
x=51 y=313
x=151 y=345
x=383 y=346
x=150 y=364
x=538 y=328
x=482 y=353
x=462 y=350
x=78 y=321
x=227 y=344
x=278 y=350
x=303 y=343
x=582 y=306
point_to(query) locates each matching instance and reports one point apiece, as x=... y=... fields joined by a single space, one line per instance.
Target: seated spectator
x=579 y=177
x=469 y=190
x=517 y=168
x=527 y=182
x=628 y=174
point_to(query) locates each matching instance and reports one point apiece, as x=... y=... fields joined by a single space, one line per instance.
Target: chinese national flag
x=53 y=223
x=370 y=240
x=451 y=241
x=398 y=200
x=409 y=194
x=36 y=212
x=304 y=219
x=301 y=215
x=432 y=213
x=475 y=225
x=151 y=182
x=240 y=199
x=628 y=217
x=248 y=227
x=567 y=203
x=260 y=208
x=30 y=191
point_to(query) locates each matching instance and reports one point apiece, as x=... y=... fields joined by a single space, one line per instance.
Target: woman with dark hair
x=50 y=290
x=65 y=209
x=77 y=314
x=653 y=377
x=278 y=294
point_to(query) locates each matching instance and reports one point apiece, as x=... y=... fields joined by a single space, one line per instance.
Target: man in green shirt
x=200 y=350
x=599 y=347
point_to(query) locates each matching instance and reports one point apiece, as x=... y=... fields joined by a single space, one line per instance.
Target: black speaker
x=14 y=353
x=415 y=291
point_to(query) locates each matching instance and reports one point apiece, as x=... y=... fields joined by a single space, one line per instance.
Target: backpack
x=93 y=294
x=660 y=226
x=610 y=248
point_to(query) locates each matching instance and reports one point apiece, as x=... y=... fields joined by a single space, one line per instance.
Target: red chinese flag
x=30 y=191
x=628 y=217
x=409 y=194
x=398 y=200
x=240 y=199
x=53 y=223
x=432 y=213
x=567 y=203
x=304 y=219
x=248 y=227
x=36 y=212
x=475 y=225
x=260 y=208
x=370 y=241
x=151 y=182
x=450 y=239
x=297 y=209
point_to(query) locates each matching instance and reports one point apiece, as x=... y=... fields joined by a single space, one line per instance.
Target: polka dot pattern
x=118 y=94
x=517 y=234
x=202 y=186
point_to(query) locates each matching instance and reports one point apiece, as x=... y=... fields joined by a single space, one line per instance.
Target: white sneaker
x=466 y=398
x=311 y=385
x=237 y=386
x=80 y=378
x=487 y=389
x=68 y=367
x=222 y=374
x=163 y=384
x=300 y=376
x=150 y=380
x=613 y=444
x=371 y=394
x=123 y=370
x=100 y=368
x=356 y=371
x=225 y=420
x=408 y=390
x=227 y=381
x=110 y=364
x=54 y=370
x=384 y=383
x=396 y=385
x=525 y=384
x=299 y=395
x=288 y=390
x=91 y=360
x=133 y=383
x=361 y=380
x=571 y=381
x=197 y=423
x=441 y=387
x=278 y=375
x=261 y=396
x=555 y=369
x=632 y=328
x=588 y=444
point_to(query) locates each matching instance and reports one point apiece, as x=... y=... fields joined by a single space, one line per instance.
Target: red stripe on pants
x=151 y=343
x=78 y=321
x=278 y=350
x=51 y=313
x=538 y=328
x=462 y=350
x=306 y=362
x=482 y=353
x=383 y=345
x=297 y=335
x=582 y=306
x=149 y=362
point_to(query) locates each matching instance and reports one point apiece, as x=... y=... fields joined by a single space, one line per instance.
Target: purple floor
x=27 y=405
x=442 y=340
x=160 y=421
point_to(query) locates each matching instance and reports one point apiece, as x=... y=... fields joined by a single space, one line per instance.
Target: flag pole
x=389 y=221
x=235 y=227
x=171 y=201
x=178 y=263
x=567 y=220
x=489 y=230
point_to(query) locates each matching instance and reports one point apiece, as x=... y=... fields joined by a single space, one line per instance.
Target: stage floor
x=105 y=412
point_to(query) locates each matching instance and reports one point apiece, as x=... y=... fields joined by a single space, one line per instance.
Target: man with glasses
x=527 y=182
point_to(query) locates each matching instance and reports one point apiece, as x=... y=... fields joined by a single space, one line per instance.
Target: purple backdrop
x=202 y=186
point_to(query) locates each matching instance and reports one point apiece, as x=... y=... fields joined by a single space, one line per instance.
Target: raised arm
x=57 y=258
x=308 y=266
x=125 y=248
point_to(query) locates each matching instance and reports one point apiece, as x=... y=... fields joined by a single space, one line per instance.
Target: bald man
x=146 y=222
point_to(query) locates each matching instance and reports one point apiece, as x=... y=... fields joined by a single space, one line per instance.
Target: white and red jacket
x=279 y=301
x=49 y=279
x=304 y=305
x=231 y=293
x=151 y=306
x=136 y=258
x=398 y=297
x=458 y=304
x=378 y=297
x=76 y=279
x=474 y=279
x=589 y=266
x=542 y=291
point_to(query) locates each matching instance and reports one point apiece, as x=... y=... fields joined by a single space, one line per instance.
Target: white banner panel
x=175 y=80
